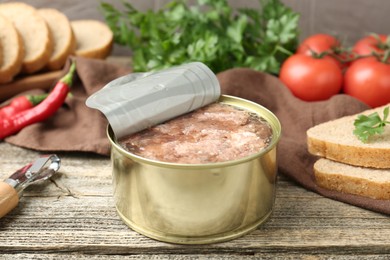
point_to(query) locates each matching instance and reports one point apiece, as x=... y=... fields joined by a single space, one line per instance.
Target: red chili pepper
x=21 y=103
x=42 y=111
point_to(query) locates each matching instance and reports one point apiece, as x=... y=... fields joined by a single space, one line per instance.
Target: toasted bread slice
x=362 y=181
x=35 y=34
x=335 y=140
x=63 y=37
x=12 y=51
x=94 y=38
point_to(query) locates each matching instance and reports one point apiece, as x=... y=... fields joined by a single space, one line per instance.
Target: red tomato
x=369 y=44
x=368 y=80
x=318 y=43
x=310 y=78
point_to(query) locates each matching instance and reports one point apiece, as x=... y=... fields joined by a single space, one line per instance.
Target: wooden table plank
x=276 y=256
x=73 y=215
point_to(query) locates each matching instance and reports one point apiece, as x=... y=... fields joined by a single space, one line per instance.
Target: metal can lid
x=139 y=100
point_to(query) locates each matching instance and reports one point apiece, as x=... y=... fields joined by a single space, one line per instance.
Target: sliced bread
x=63 y=37
x=362 y=181
x=1 y=50
x=35 y=33
x=12 y=51
x=94 y=38
x=335 y=140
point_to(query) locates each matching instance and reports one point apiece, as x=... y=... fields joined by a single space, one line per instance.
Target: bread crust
x=98 y=53
x=8 y=71
x=354 y=155
x=362 y=186
x=1 y=53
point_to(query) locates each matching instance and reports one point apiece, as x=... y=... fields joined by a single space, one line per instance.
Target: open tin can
x=197 y=203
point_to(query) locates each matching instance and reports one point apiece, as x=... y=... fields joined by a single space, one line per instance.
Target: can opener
x=12 y=188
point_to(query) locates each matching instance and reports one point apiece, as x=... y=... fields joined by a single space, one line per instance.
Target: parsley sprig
x=368 y=125
x=209 y=31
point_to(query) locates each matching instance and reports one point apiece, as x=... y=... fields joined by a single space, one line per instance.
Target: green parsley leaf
x=209 y=31
x=368 y=125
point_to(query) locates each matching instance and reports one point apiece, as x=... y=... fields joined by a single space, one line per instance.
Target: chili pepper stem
x=68 y=78
x=36 y=99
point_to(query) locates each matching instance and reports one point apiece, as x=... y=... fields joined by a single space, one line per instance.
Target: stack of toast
x=347 y=164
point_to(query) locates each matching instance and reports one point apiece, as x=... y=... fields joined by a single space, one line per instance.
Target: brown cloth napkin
x=76 y=127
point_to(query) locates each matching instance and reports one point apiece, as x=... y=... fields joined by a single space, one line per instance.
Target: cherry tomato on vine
x=369 y=44
x=368 y=80
x=318 y=43
x=310 y=78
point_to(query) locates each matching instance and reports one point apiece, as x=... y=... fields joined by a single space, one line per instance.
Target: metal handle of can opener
x=11 y=188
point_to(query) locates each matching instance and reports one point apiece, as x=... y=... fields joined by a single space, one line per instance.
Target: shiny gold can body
x=197 y=203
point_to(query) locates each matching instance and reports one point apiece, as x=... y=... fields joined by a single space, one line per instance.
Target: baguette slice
x=63 y=37
x=12 y=51
x=94 y=38
x=34 y=32
x=1 y=46
x=362 y=181
x=335 y=140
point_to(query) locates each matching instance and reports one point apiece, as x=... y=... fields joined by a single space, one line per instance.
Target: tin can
x=197 y=203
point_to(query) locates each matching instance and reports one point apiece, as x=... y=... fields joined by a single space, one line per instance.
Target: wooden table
x=73 y=216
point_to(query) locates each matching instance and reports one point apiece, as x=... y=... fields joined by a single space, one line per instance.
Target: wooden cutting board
x=39 y=81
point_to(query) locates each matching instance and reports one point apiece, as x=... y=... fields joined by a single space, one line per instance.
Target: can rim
x=246 y=104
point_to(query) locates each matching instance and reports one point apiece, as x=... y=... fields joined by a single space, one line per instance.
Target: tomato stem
x=386 y=57
x=383 y=45
x=355 y=57
x=320 y=55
